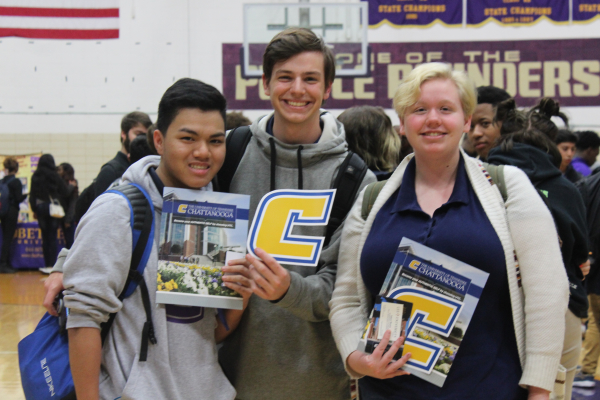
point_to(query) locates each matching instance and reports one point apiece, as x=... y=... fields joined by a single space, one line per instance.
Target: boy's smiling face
x=297 y=90
x=193 y=149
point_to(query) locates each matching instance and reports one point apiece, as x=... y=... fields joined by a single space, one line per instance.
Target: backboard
x=343 y=26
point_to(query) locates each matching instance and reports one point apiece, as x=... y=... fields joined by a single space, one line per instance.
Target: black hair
x=150 y=139
x=491 y=95
x=188 y=93
x=45 y=181
x=533 y=127
x=586 y=140
x=565 y=136
x=68 y=172
x=139 y=149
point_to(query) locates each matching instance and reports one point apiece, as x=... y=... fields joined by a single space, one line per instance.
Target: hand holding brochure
x=200 y=231
x=429 y=298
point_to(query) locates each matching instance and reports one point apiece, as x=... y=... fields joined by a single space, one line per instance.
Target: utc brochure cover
x=199 y=232
x=429 y=298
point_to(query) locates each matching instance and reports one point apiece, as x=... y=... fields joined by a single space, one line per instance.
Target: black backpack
x=347 y=181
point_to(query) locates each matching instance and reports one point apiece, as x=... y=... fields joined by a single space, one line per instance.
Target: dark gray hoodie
x=285 y=349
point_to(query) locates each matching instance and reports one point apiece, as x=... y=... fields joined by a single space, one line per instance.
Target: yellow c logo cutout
x=277 y=214
x=433 y=312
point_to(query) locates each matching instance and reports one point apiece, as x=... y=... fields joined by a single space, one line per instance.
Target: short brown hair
x=294 y=41
x=133 y=119
x=11 y=164
x=234 y=119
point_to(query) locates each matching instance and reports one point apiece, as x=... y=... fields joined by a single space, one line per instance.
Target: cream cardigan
x=525 y=226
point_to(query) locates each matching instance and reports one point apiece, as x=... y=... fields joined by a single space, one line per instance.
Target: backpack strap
x=142 y=230
x=347 y=183
x=236 y=143
x=497 y=176
x=369 y=197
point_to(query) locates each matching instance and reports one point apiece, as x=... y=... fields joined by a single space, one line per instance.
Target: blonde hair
x=409 y=90
x=370 y=134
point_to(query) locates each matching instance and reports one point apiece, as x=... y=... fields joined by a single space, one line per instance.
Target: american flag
x=60 y=19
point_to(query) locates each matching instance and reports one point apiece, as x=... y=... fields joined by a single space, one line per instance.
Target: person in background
x=443 y=199
x=139 y=149
x=484 y=129
x=370 y=134
x=67 y=173
x=467 y=146
x=587 y=148
x=566 y=142
x=46 y=185
x=132 y=125
x=150 y=139
x=589 y=188
x=527 y=142
x=9 y=221
x=235 y=119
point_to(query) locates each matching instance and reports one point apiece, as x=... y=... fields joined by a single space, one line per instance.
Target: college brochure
x=429 y=298
x=200 y=231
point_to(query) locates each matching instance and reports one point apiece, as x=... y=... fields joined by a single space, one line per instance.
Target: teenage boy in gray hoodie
x=283 y=347
x=190 y=137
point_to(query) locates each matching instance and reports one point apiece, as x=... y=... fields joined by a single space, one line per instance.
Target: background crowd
x=435 y=186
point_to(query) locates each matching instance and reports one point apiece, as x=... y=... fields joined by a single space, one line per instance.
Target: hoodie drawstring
x=273 y=162
x=300 y=180
x=274 y=165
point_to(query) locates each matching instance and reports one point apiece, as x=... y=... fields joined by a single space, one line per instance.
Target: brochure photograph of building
x=200 y=231
x=429 y=298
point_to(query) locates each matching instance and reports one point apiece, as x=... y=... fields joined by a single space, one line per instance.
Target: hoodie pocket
x=129 y=391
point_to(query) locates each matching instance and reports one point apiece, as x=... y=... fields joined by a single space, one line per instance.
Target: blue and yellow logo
x=414 y=264
x=278 y=213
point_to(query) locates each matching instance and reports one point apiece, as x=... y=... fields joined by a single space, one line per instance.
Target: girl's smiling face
x=435 y=123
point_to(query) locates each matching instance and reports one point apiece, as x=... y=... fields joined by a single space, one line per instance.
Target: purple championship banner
x=585 y=10
x=516 y=12
x=566 y=70
x=414 y=12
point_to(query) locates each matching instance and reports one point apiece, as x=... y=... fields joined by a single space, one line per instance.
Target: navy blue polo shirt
x=487 y=362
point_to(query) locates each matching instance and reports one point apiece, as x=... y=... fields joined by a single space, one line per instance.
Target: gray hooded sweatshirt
x=285 y=349
x=183 y=364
